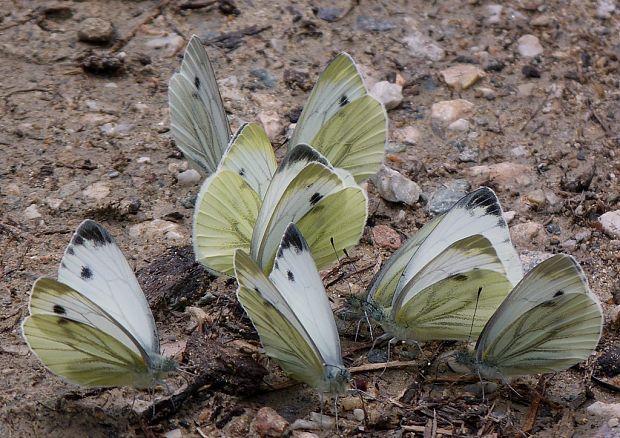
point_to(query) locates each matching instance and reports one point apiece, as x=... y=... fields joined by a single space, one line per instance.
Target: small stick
x=395 y=364
x=532 y=413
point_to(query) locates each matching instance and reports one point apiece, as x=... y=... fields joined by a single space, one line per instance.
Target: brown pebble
x=268 y=423
x=385 y=237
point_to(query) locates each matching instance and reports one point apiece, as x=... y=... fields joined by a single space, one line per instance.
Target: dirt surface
x=84 y=134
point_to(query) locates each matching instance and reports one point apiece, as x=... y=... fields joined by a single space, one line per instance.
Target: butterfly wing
x=383 y=285
x=296 y=277
x=251 y=156
x=354 y=138
x=330 y=231
x=338 y=85
x=94 y=265
x=300 y=183
x=224 y=216
x=476 y=213
x=454 y=295
x=549 y=322
x=78 y=340
x=281 y=333
x=197 y=118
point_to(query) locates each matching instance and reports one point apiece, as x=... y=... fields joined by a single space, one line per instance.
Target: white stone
x=390 y=95
x=394 y=187
x=509 y=216
x=174 y=433
x=462 y=76
x=526 y=90
x=409 y=135
x=605 y=8
x=11 y=189
x=528 y=234
x=506 y=175
x=613 y=422
x=68 y=189
x=271 y=124
x=98 y=190
x=448 y=111
x=610 y=222
x=460 y=125
x=421 y=46
x=601 y=409
x=32 y=212
x=188 y=177
x=529 y=46
x=143 y=160
x=116 y=129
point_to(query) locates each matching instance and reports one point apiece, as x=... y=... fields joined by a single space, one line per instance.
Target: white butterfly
x=446 y=281
x=340 y=120
x=197 y=118
x=550 y=321
x=248 y=202
x=94 y=326
x=292 y=315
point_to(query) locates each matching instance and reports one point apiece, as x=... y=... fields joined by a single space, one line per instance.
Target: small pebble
x=268 y=422
x=174 y=433
x=394 y=187
x=329 y=14
x=271 y=124
x=264 y=76
x=359 y=414
x=188 y=177
x=460 y=125
x=98 y=190
x=527 y=234
x=469 y=156
x=610 y=222
x=605 y=8
x=390 y=95
x=32 y=212
x=421 y=46
x=96 y=31
x=529 y=46
x=529 y=71
x=444 y=198
x=448 y=111
x=613 y=422
x=603 y=409
x=462 y=76
x=116 y=129
x=385 y=237
x=509 y=216
x=408 y=135
x=143 y=160
x=170 y=44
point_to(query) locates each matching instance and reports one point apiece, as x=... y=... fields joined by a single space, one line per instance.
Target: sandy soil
x=85 y=136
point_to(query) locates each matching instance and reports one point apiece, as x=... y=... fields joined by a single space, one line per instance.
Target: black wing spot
x=59 y=310
x=315 y=198
x=460 y=277
x=343 y=100
x=558 y=294
x=70 y=250
x=275 y=265
x=241 y=171
x=292 y=238
x=86 y=273
x=486 y=199
x=62 y=264
x=92 y=232
x=197 y=82
x=290 y=276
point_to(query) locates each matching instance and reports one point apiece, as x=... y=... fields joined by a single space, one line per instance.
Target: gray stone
x=188 y=177
x=605 y=8
x=32 y=212
x=610 y=222
x=444 y=198
x=372 y=24
x=421 y=46
x=98 y=190
x=394 y=187
x=390 y=95
x=448 y=111
x=529 y=46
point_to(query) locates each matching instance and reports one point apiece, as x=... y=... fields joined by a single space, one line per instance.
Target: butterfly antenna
x=473 y=319
x=331 y=241
x=336 y=411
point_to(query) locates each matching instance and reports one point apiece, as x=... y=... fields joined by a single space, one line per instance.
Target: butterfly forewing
x=95 y=266
x=338 y=85
x=549 y=322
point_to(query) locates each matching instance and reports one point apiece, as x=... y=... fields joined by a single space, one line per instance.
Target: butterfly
x=340 y=120
x=549 y=322
x=248 y=202
x=292 y=315
x=446 y=281
x=93 y=326
x=198 y=121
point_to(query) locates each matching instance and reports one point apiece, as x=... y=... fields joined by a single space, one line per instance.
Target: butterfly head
x=160 y=367
x=336 y=379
